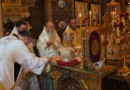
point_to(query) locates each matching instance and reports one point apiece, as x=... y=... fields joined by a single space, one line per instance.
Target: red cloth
x=73 y=62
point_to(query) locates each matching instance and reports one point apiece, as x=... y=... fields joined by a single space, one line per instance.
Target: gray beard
x=52 y=36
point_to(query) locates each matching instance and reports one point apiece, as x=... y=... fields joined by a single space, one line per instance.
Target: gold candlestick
x=81 y=32
x=80 y=19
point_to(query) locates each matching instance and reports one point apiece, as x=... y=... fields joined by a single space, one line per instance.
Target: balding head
x=50 y=26
x=73 y=24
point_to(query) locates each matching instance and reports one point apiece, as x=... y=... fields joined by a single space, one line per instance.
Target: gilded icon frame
x=81 y=8
x=96 y=13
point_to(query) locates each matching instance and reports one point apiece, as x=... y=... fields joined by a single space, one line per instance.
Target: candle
x=79 y=15
x=102 y=39
x=80 y=20
x=90 y=18
x=115 y=8
x=113 y=13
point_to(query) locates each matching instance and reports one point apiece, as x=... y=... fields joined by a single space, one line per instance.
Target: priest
x=48 y=42
x=20 y=26
x=73 y=30
x=14 y=49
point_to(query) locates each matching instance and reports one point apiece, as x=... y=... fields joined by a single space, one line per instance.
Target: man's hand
x=49 y=43
x=57 y=44
x=48 y=65
x=47 y=59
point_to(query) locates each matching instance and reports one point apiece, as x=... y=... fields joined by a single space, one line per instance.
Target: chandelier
x=113 y=9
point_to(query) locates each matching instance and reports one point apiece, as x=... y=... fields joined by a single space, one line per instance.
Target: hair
x=49 y=22
x=72 y=19
x=25 y=33
x=21 y=22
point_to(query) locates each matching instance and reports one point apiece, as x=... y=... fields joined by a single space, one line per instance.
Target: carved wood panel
x=62 y=14
x=61 y=78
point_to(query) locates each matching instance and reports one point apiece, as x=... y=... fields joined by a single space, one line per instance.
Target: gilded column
x=1 y=21
x=48 y=10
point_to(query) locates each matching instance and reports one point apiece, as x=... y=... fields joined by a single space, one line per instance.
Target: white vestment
x=14 y=31
x=13 y=50
x=42 y=47
x=30 y=47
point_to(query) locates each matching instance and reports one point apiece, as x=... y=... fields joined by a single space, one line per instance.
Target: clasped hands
x=50 y=43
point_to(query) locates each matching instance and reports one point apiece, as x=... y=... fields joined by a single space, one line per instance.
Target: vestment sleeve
x=41 y=46
x=24 y=57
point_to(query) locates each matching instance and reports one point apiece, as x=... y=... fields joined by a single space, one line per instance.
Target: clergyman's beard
x=52 y=36
x=73 y=28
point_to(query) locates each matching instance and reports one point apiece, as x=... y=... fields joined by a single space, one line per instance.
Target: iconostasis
x=87 y=11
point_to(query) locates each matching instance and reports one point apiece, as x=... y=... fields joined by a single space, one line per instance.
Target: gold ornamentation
x=56 y=75
x=95 y=47
x=124 y=71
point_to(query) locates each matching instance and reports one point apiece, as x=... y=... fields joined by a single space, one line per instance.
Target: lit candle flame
x=80 y=15
x=89 y=12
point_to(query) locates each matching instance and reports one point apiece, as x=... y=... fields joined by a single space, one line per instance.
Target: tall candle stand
x=80 y=19
x=123 y=71
x=80 y=27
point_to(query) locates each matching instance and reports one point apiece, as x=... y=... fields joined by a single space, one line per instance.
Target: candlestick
x=124 y=61
x=80 y=20
x=90 y=18
x=103 y=47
